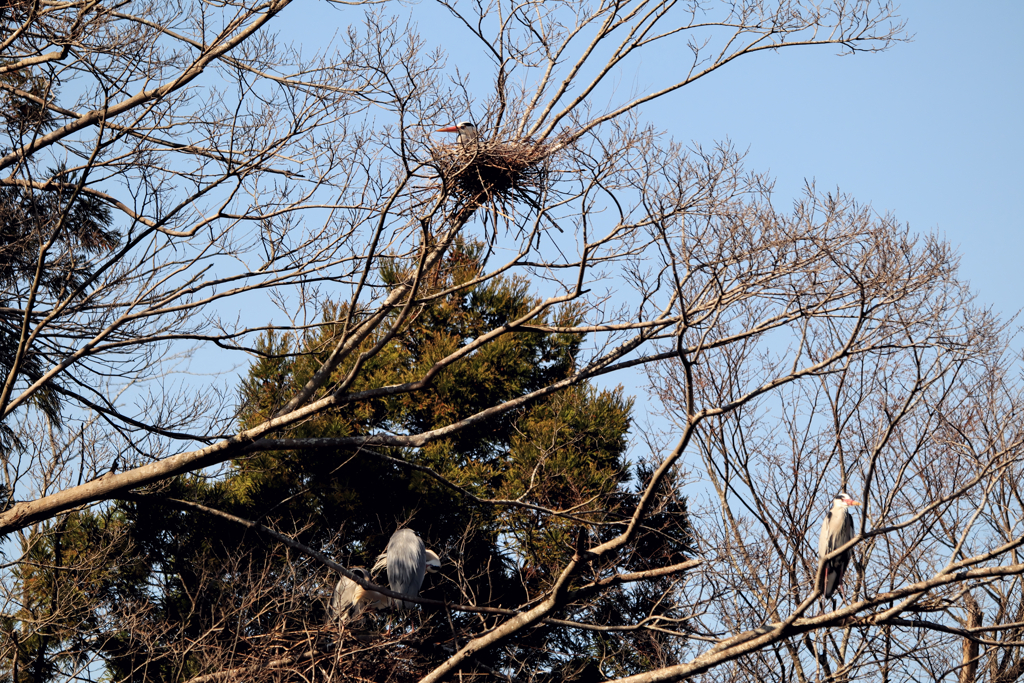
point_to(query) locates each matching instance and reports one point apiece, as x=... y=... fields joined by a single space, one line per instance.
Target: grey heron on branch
x=350 y=599
x=407 y=561
x=468 y=134
x=836 y=531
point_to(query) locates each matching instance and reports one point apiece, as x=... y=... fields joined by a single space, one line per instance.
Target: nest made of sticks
x=495 y=172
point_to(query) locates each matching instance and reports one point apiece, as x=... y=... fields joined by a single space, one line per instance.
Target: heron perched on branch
x=407 y=561
x=836 y=531
x=350 y=599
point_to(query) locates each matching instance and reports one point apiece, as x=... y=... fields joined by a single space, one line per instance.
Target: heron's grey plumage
x=407 y=561
x=350 y=599
x=836 y=531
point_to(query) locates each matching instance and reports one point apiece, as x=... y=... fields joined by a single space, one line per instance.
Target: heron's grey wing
x=838 y=565
x=845 y=536
x=407 y=562
x=847 y=529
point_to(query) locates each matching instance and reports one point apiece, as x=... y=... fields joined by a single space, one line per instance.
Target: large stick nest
x=496 y=172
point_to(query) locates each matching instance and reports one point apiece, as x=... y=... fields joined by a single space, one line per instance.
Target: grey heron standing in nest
x=350 y=599
x=468 y=134
x=407 y=561
x=836 y=531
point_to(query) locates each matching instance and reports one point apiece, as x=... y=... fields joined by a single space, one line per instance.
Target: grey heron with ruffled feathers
x=407 y=561
x=350 y=599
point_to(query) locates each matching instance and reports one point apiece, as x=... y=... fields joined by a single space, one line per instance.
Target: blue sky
x=932 y=130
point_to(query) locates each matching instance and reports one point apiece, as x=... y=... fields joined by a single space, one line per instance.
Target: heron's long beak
x=851 y=502
x=449 y=129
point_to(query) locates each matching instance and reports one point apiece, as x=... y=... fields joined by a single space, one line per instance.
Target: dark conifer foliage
x=51 y=234
x=47 y=241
